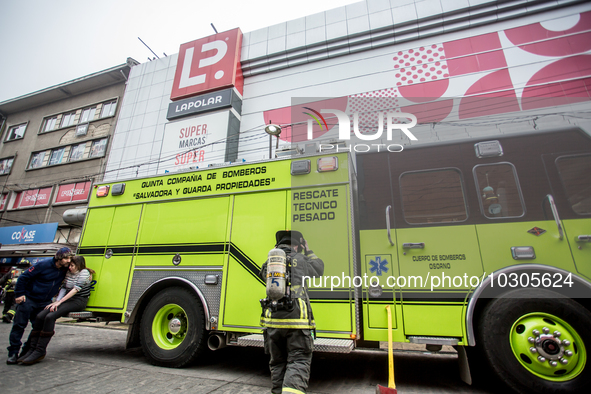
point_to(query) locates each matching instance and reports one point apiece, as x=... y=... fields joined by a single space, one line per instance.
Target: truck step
x=320 y=344
x=81 y=315
x=434 y=340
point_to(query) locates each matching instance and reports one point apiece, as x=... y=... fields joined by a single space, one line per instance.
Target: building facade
x=53 y=149
x=464 y=69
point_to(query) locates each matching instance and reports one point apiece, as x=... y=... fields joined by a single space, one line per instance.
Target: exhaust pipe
x=216 y=341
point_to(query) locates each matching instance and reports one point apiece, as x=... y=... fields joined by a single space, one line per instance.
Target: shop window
x=87 y=115
x=37 y=159
x=77 y=152
x=68 y=119
x=57 y=156
x=575 y=174
x=3 y=199
x=109 y=109
x=433 y=197
x=499 y=191
x=73 y=192
x=98 y=148
x=31 y=198
x=6 y=165
x=49 y=124
x=16 y=132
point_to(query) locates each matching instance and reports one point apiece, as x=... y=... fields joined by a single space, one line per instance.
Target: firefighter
x=289 y=323
x=9 y=282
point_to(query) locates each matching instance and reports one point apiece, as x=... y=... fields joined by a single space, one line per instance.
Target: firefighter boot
x=30 y=345
x=40 y=351
x=7 y=318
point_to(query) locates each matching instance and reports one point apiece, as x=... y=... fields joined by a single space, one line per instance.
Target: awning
x=30 y=250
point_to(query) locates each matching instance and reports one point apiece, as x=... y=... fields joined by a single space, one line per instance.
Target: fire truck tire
x=172 y=330
x=537 y=341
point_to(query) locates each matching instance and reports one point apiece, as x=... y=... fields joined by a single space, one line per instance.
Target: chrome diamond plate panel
x=328 y=345
x=144 y=278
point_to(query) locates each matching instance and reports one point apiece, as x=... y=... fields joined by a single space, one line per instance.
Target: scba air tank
x=276 y=270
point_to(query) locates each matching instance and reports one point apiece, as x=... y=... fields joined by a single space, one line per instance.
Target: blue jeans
x=26 y=311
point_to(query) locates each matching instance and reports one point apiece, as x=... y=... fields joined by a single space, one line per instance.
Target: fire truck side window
x=434 y=196
x=574 y=172
x=498 y=187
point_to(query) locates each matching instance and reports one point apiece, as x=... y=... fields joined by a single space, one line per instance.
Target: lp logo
x=186 y=80
x=208 y=64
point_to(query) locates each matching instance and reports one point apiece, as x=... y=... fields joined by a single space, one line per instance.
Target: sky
x=48 y=42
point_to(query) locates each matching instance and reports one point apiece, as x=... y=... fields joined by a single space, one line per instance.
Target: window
x=56 y=156
x=68 y=119
x=68 y=154
x=498 y=188
x=77 y=152
x=109 y=109
x=49 y=124
x=98 y=148
x=31 y=198
x=433 y=197
x=87 y=115
x=73 y=192
x=575 y=174
x=3 y=199
x=16 y=132
x=6 y=165
x=37 y=159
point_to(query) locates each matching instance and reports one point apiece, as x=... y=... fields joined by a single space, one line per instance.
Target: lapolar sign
x=208 y=64
x=190 y=143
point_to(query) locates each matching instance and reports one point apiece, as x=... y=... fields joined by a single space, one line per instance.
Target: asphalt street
x=93 y=359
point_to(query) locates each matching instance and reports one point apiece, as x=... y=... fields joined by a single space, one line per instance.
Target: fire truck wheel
x=537 y=341
x=172 y=328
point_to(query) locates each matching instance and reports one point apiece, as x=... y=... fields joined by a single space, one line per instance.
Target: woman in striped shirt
x=72 y=297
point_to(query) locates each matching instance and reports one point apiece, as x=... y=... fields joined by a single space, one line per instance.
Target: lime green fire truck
x=481 y=244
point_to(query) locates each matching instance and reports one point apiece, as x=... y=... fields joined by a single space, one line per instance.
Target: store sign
x=73 y=192
x=205 y=103
x=195 y=142
x=208 y=64
x=36 y=233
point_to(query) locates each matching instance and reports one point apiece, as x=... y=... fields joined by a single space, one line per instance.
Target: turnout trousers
x=291 y=356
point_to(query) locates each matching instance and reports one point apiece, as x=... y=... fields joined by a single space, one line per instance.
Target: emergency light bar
x=102 y=191
x=118 y=189
x=328 y=164
x=300 y=167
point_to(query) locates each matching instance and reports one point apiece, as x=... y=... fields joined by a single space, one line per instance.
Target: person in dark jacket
x=33 y=292
x=289 y=326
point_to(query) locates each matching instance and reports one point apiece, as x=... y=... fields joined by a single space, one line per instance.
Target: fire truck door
x=112 y=232
x=438 y=254
x=256 y=217
x=574 y=171
x=377 y=242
